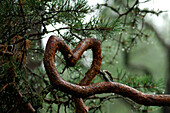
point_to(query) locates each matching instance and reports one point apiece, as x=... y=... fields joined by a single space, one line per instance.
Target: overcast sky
x=157 y=4
x=152 y=4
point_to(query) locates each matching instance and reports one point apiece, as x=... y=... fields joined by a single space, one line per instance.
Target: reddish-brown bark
x=73 y=56
x=81 y=91
x=91 y=73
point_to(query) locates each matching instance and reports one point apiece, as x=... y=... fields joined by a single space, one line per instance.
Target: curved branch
x=54 y=44
x=73 y=56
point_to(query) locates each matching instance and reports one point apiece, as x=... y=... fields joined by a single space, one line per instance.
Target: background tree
x=24 y=83
x=165 y=44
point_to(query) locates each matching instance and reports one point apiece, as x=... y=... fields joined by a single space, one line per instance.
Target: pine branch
x=55 y=43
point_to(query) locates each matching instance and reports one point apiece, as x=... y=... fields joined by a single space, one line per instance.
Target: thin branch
x=6 y=53
x=120 y=38
x=102 y=100
x=137 y=1
x=121 y=14
x=112 y=8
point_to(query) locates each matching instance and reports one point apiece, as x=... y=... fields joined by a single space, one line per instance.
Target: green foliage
x=143 y=83
x=30 y=19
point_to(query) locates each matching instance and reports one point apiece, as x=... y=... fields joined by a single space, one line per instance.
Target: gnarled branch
x=73 y=56
x=81 y=91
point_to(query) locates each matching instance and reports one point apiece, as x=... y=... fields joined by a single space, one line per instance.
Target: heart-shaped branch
x=55 y=43
x=72 y=57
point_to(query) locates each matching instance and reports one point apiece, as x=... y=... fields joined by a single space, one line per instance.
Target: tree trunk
x=135 y=67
